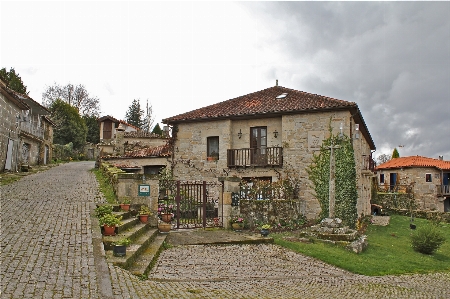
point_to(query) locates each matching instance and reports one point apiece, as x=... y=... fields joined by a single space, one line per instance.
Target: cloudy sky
x=391 y=58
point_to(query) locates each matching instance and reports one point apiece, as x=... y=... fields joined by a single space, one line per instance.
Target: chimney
x=276 y=82
x=441 y=158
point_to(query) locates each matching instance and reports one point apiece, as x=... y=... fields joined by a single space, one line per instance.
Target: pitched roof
x=272 y=101
x=415 y=161
x=116 y=121
x=264 y=102
x=149 y=152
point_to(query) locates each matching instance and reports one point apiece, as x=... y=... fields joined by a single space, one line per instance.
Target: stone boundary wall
x=430 y=215
x=271 y=211
x=395 y=201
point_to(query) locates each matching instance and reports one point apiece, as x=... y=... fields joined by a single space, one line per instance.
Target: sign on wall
x=144 y=190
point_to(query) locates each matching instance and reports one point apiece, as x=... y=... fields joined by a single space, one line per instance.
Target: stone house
x=266 y=135
x=427 y=178
x=26 y=131
x=130 y=148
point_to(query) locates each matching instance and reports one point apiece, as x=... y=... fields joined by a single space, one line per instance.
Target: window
x=212 y=149
x=428 y=177
x=381 y=178
x=153 y=169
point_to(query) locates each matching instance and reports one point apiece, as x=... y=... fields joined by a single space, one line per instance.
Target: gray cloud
x=392 y=58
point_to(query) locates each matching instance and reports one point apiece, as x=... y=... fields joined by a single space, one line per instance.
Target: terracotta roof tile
x=157 y=151
x=264 y=102
x=415 y=161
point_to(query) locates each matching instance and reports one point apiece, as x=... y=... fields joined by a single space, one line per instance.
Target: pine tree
x=157 y=130
x=395 y=154
x=13 y=80
x=134 y=115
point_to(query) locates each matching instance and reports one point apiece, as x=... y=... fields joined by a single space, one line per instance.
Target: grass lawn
x=105 y=186
x=389 y=251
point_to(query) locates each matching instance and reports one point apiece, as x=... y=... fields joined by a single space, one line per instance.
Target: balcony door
x=258 y=144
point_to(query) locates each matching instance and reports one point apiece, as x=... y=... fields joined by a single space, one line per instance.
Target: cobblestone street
x=50 y=248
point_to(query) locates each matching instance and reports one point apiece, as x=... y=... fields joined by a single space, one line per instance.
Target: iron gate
x=197 y=205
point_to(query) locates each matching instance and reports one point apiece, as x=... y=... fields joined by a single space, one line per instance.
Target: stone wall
x=8 y=130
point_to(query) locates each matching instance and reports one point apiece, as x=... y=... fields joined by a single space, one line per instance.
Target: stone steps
x=146 y=244
x=143 y=264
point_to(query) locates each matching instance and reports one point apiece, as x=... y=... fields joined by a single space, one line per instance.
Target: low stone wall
x=395 y=201
x=272 y=211
x=430 y=215
x=126 y=185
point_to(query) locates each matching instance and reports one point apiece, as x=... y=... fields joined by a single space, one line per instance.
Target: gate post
x=230 y=185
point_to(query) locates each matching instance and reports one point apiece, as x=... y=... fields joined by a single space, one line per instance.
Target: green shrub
x=427 y=239
x=103 y=210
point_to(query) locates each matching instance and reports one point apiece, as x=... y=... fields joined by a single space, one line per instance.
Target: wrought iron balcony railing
x=368 y=163
x=264 y=156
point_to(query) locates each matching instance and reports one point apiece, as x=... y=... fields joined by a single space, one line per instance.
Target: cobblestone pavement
x=265 y=271
x=49 y=250
x=46 y=236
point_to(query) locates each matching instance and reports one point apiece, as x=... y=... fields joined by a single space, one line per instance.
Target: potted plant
x=166 y=210
x=120 y=247
x=144 y=212
x=237 y=223
x=125 y=204
x=213 y=156
x=164 y=227
x=109 y=222
x=102 y=210
x=265 y=230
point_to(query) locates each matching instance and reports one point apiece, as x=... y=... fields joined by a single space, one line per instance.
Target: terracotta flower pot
x=166 y=217
x=143 y=218
x=125 y=206
x=164 y=227
x=109 y=230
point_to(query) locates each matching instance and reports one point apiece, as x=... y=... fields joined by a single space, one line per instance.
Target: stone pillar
x=119 y=146
x=231 y=185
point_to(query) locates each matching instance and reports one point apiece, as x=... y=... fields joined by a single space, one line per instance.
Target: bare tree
x=149 y=119
x=76 y=96
x=383 y=158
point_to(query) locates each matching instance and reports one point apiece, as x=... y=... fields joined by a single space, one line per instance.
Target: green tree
x=13 y=80
x=157 y=130
x=70 y=127
x=134 y=115
x=395 y=154
x=346 y=193
x=93 y=128
x=76 y=96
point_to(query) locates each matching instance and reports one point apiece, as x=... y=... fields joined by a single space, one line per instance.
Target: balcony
x=368 y=165
x=443 y=190
x=32 y=128
x=261 y=157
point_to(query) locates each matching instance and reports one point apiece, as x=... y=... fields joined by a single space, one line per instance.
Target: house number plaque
x=144 y=190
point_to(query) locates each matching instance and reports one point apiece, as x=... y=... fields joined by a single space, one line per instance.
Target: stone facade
x=426 y=193
x=300 y=136
x=9 y=132
x=25 y=130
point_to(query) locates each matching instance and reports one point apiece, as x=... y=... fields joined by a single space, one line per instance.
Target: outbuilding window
x=381 y=178
x=428 y=177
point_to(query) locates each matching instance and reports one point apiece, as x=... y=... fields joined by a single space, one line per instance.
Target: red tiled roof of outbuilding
x=415 y=161
x=157 y=151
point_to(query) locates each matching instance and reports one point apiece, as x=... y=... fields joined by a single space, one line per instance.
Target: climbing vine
x=345 y=179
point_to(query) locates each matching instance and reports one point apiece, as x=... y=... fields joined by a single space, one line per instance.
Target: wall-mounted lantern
x=275 y=134
x=240 y=134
